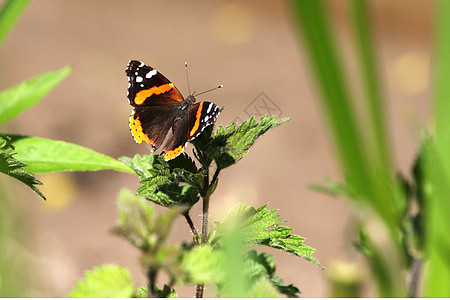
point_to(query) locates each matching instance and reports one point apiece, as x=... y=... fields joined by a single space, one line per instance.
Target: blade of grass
x=335 y=95
x=377 y=145
x=391 y=197
x=9 y=13
x=15 y=100
x=371 y=81
x=362 y=173
x=368 y=177
x=437 y=242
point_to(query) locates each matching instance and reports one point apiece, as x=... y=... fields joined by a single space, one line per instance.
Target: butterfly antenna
x=207 y=91
x=187 y=77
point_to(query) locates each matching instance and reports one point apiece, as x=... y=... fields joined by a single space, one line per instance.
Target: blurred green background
x=251 y=47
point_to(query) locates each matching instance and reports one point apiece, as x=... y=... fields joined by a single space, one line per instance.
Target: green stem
x=192 y=226
x=151 y=283
x=415 y=278
x=215 y=176
x=199 y=289
x=205 y=217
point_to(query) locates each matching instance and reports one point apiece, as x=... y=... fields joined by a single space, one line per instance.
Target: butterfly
x=158 y=107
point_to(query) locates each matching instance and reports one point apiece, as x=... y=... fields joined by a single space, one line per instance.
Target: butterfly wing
x=155 y=100
x=146 y=86
x=151 y=124
x=200 y=116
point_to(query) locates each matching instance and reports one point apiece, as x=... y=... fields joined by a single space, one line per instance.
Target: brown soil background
x=250 y=47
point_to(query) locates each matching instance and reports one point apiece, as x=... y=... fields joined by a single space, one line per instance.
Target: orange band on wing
x=173 y=153
x=138 y=133
x=156 y=90
x=197 y=119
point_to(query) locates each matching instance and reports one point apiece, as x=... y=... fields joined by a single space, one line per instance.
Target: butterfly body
x=158 y=107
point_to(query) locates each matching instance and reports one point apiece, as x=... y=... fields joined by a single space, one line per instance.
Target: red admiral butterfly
x=159 y=106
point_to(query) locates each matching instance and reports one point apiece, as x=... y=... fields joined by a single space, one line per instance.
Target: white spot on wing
x=209 y=108
x=151 y=73
x=139 y=79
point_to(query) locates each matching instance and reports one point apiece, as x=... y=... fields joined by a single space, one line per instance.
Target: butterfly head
x=191 y=98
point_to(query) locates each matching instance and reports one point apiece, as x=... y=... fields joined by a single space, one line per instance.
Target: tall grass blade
x=438 y=167
x=9 y=13
x=371 y=183
x=371 y=83
x=367 y=170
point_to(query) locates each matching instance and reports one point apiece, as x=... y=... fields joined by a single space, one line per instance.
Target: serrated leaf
x=263 y=288
x=212 y=266
x=239 y=140
x=45 y=156
x=263 y=265
x=166 y=292
x=173 y=183
x=140 y=164
x=15 y=100
x=205 y=265
x=15 y=168
x=140 y=224
x=262 y=226
x=107 y=281
x=230 y=144
x=9 y=14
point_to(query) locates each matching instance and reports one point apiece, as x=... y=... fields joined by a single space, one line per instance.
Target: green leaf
x=107 y=281
x=205 y=265
x=263 y=288
x=45 y=156
x=212 y=266
x=9 y=14
x=146 y=229
x=15 y=168
x=263 y=265
x=173 y=183
x=140 y=164
x=230 y=144
x=166 y=292
x=140 y=224
x=333 y=188
x=381 y=269
x=239 y=140
x=437 y=168
x=262 y=226
x=15 y=100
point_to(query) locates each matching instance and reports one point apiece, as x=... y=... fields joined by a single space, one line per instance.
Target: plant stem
x=192 y=226
x=415 y=277
x=201 y=287
x=205 y=217
x=199 y=290
x=151 y=283
x=216 y=174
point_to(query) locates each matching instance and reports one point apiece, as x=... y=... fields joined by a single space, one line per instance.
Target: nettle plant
x=223 y=254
